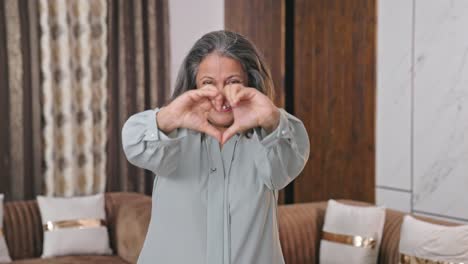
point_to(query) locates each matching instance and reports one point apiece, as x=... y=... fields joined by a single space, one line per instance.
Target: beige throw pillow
x=74 y=226
x=427 y=242
x=351 y=234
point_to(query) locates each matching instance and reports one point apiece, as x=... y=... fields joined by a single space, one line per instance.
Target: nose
x=220 y=87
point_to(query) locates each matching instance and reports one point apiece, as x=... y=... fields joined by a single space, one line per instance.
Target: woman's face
x=220 y=71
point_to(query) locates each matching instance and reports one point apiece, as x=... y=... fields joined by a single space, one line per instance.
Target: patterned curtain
x=71 y=73
x=73 y=62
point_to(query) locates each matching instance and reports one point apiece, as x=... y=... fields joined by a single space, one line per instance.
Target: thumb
x=228 y=133
x=212 y=131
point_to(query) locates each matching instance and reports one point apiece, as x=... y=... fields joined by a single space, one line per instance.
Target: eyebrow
x=229 y=77
x=234 y=75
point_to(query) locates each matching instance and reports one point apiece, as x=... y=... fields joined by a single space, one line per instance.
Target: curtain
x=71 y=73
x=73 y=63
x=138 y=79
x=20 y=114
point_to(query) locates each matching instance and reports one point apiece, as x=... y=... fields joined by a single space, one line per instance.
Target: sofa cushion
x=354 y=231
x=22 y=221
x=74 y=260
x=74 y=225
x=425 y=241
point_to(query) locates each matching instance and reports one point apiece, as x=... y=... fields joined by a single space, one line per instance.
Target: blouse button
x=213 y=170
x=284 y=132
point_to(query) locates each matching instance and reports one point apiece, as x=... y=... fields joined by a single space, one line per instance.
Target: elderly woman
x=220 y=151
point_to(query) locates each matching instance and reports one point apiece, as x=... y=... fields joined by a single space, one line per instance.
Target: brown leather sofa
x=300 y=228
x=128 y=216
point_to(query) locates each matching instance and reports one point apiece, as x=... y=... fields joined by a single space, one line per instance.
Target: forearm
x=282 y=154
x=145 y=145
x=166 y=120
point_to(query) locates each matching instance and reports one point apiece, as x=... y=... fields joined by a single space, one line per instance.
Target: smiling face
x=220 y=71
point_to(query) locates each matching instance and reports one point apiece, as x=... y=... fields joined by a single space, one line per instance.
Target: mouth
x=226 y=108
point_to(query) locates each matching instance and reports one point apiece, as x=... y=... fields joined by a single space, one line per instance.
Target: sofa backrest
x=22 y=229
x=389 y=248
x=300 y=228
x=299 y=225
x=22 y=225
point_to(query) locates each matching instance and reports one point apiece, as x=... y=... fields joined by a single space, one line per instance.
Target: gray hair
x=229 y=44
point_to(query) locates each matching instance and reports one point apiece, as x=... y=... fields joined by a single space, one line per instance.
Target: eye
x=233 y=81
x=205 y=82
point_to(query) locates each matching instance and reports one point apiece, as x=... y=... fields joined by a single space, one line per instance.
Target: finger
x=230 y=132
x=209 y=87
x=230 y=90
x=219 y=101
x=205 y=104
x=243 y=94
x=226 y=91
x=200 y=94
x=212 y=131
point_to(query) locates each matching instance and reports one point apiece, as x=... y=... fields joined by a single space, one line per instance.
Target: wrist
x=271 y=122
x=165 y=120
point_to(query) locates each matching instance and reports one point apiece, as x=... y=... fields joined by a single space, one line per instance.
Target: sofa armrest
x=131 y=216
x=300 y=228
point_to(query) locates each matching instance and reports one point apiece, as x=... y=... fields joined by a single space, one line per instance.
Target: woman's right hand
x=190 y=110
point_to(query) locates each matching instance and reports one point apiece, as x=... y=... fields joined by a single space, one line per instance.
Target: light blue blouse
x=215 y=205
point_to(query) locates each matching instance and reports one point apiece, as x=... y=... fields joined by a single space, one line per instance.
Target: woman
x=220 y=151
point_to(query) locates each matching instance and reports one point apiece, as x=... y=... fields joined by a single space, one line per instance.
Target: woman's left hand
x=250 y=108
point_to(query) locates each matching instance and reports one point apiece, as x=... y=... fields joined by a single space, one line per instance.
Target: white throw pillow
x=74 y=226
x=351 y=234
x=426 y=241
x=4 y=255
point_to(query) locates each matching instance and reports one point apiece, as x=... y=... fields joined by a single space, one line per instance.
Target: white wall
x=422 y=107
x=189 y=20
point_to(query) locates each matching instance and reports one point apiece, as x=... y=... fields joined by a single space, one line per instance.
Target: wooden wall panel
x=263 y=23
x=334 y=95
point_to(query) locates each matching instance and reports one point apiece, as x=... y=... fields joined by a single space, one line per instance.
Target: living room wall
x=422 y=118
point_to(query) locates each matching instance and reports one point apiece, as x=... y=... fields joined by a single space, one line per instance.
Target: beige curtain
x=73 y=46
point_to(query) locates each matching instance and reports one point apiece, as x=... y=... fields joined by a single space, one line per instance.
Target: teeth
x=225 y=107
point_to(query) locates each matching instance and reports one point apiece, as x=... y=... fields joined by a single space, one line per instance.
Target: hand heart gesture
x=251 y=109
x=190 y=110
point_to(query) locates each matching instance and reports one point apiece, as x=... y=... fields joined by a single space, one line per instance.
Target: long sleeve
x=282 y=154
x=148 y=147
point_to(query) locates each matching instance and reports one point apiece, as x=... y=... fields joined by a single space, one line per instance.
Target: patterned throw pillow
x=74 y=226
x=4 y=255
x=351 y=234
x=422 y=242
